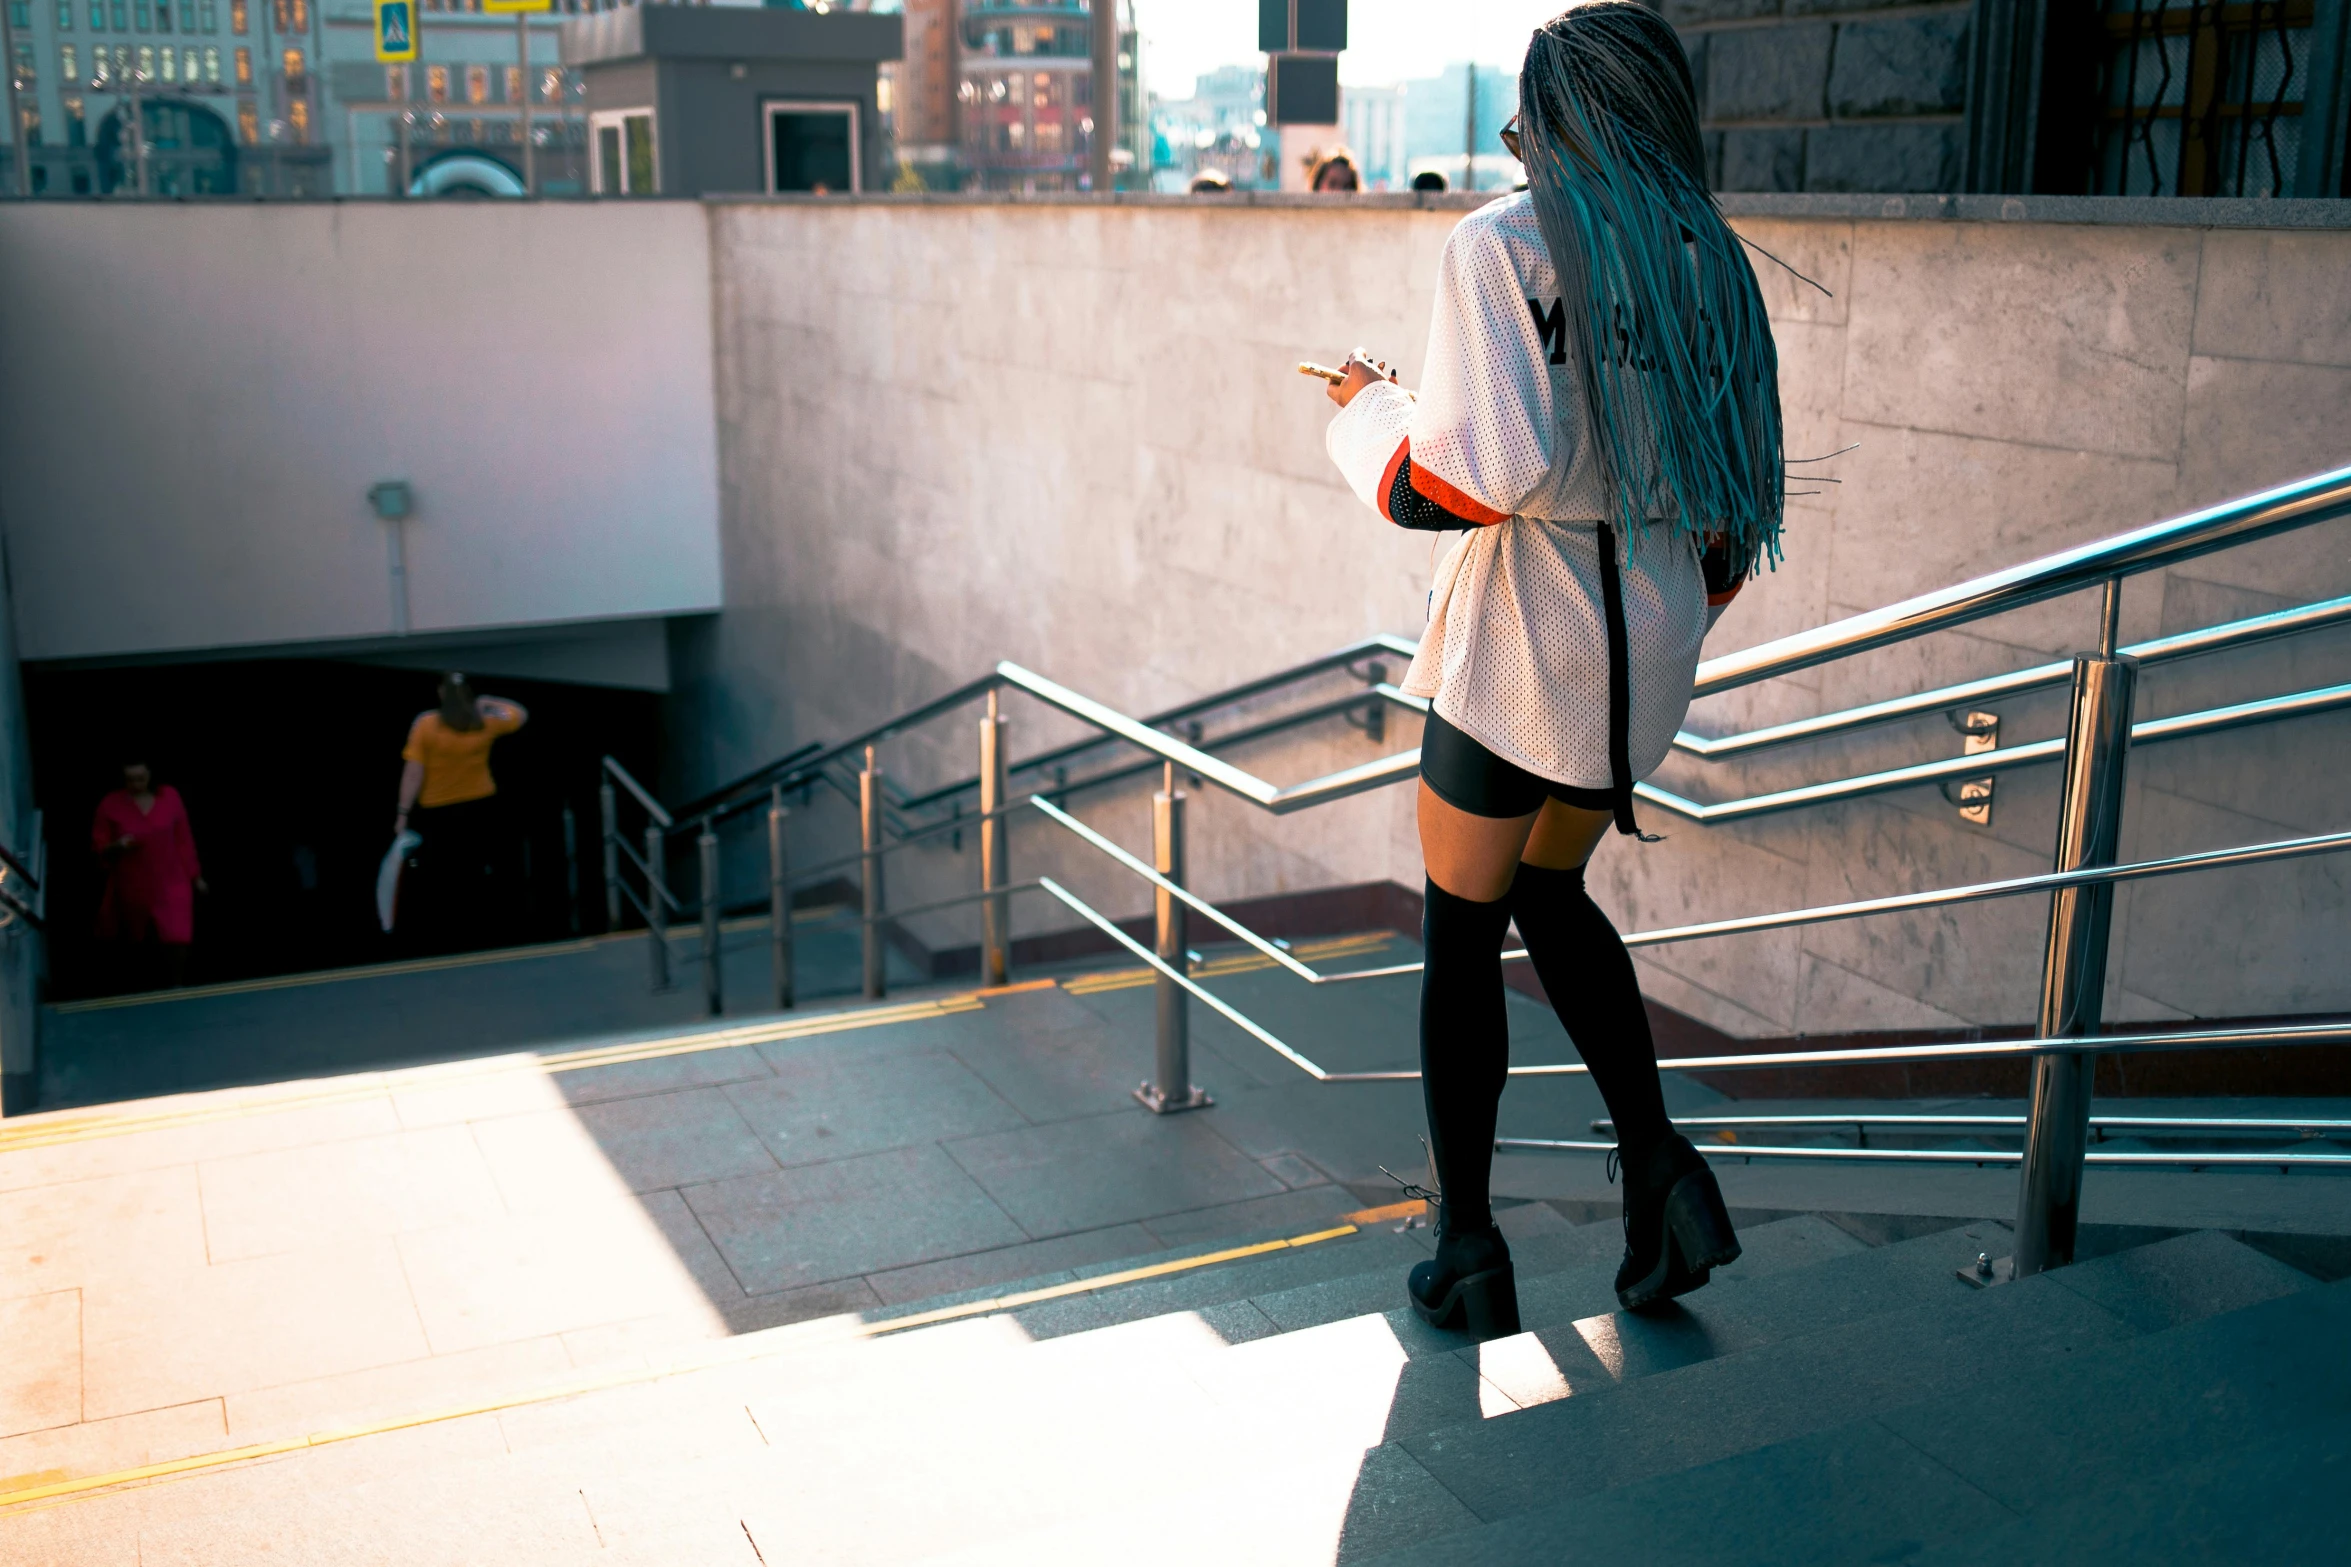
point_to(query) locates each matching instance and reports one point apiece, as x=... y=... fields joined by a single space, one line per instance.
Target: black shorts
x=1468 y=777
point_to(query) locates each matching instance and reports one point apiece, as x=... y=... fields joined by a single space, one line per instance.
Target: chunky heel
x=1699 y=1223
x=1676 y=1228
x=1484 y=1304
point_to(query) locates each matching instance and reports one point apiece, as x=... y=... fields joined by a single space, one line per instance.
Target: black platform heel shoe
x=1469 y=1285
x=1676 y=1230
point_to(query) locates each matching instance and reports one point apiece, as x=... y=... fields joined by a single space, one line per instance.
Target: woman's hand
x=1362 y=370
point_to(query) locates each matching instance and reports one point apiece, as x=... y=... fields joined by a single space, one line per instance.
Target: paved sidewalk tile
x=810 y=1223
x=1110 y=1169
x=259 y=1203
x=41 y=1364
x=550 y=1157
x=834 y=1105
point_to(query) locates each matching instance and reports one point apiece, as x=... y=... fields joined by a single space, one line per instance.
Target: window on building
x=32 y=138
x=20 y=14
x=477 y=84
x=26 y=72
x=68 y=64
x=65 y=16
x=163 y=16
x=301 y=10
x=514 y=84
x=248 y=120
x=97 y=16
x=285 y=16
x=168 y=62
x=624 y=155
x=100 y=70
x=212 y=64
x=551 y=86
x=146 y=62
x=244 y=67
x=211 y=16
x=121 y=17
x=144 y=14
x=298 y=116
x=396 y=83
x=237 y=17
x=291 y=63
x=436 y=83
x=77 y=125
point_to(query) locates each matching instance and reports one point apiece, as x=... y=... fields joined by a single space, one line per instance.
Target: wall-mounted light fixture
x=393 y=501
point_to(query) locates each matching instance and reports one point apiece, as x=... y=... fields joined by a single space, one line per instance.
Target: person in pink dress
x=147 y=917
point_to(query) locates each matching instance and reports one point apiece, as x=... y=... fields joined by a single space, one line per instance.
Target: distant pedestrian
x=1212 y=182
x=450 y=800
x=1335 y=171
x=1428 y=179
x=147 y=915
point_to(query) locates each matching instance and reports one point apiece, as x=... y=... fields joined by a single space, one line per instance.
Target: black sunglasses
x=1510 y=139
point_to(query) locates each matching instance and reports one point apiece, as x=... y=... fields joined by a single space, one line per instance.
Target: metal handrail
x=1821 y=914
x=2305 y=1127
x=2187 y=644
x=643 y=796
x=2284 y=1158
x=2061 y=1044
x=2315 y=499
x=2299 y=704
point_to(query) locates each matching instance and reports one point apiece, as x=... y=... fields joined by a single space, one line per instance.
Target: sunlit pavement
x=921 y=1281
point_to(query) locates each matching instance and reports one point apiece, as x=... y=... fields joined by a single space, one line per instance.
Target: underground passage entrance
x=289 y=770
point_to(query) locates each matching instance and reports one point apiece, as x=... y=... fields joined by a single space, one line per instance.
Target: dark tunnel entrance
x=289 y=769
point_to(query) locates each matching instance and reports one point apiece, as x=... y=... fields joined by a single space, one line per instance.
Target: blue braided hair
x=1674 y=353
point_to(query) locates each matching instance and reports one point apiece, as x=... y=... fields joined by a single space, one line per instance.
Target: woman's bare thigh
x=1475 y=857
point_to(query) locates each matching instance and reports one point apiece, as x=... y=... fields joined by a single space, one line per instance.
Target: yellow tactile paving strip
x=1241 y=963
x=51 y=1487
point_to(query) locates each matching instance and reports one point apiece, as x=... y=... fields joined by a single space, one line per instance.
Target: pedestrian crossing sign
x=395 y=30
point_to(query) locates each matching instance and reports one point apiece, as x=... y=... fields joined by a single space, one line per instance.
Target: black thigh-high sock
x=1588 y=975
x=1464 y=1046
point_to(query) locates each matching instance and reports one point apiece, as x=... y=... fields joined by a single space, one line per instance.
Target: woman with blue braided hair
x=1600 y=417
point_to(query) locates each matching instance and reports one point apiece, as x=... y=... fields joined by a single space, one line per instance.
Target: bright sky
x=1389 y=40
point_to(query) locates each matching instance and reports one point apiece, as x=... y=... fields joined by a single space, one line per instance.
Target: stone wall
x=1829 y=95
x=1069 y=434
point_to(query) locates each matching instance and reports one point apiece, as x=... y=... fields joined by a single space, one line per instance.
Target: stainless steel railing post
x=2073 y=973
x=610 y=806
x=869 y=835
x=779 y=900
x=713 y=978
x=1173 y=1090
x=657 y=903
x=995 y=913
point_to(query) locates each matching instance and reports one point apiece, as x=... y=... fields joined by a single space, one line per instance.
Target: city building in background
x=228 y=93
x=689 y=100
x=1025 y=96
x=450 y=123
x=1220 y=127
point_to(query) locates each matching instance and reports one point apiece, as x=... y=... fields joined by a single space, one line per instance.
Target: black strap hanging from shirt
x=1620 y=689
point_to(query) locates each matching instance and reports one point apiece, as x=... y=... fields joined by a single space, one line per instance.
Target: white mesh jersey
x=1516 y=651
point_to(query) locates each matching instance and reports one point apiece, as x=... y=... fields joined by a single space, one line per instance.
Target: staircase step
x=2047 y=1438
x=1754 y=1396
x=2267 y=1500
x=2034 y=1438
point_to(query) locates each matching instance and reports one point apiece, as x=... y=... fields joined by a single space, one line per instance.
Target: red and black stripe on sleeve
x=1413 y=497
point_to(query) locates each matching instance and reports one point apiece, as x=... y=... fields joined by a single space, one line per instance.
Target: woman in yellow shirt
x=449 y=798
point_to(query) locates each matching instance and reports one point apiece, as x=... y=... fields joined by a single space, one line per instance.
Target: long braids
x=1674 y=354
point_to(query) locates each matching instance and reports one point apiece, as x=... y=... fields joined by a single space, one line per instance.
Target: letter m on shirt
x=1551 y=325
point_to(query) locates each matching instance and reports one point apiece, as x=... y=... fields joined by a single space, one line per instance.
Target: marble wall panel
x=1072 y=436
x=2053 y=336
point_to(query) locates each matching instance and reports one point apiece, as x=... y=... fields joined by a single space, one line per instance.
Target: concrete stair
x=1825 y=1399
